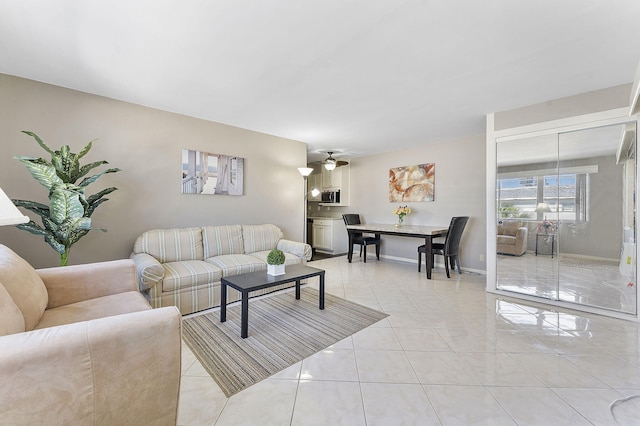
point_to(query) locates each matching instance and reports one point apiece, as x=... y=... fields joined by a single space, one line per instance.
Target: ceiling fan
x=331 y=163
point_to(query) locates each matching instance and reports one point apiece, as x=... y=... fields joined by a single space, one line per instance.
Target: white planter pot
x=275 y=269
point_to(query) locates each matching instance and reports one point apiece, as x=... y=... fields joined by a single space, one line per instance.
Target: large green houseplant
x=67 y=218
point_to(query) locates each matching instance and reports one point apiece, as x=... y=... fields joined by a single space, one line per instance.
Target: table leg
x=427 y=249
x=350 y=251
x=244 y=328
x=322 y=290
x=297 y=289
x=223 y=302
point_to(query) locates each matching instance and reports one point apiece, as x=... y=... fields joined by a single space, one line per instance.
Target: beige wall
x=571 y=106
x=460 y=188
x=146 y=144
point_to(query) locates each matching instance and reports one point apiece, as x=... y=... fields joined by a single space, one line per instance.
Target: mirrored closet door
x=565 y=207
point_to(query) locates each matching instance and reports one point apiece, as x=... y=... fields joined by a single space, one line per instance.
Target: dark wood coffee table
x=246 y=283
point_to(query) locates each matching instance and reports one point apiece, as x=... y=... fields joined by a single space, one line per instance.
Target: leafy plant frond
x=67 y=218
x=40 y=142
x=77 y=234
x=42 y=171
x=65 y=205
x=65 y=163
x=33 y=228
x=91 y=179
x=31 y=205
x=92 y=207
x=88 y=167
x=60 y=248
x=93 y=198
x=86 y=149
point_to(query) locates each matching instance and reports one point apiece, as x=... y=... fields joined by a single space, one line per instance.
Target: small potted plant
x=275 y=262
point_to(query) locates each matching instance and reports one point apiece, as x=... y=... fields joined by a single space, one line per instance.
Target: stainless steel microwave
x=331 y=197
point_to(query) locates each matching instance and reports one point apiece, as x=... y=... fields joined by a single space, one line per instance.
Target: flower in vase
x=401 y=211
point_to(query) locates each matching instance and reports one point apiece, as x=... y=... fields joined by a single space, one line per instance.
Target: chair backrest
x=452 y=241
x=352 y=219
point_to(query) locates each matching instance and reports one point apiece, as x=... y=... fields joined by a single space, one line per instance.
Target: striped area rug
x=282 y=331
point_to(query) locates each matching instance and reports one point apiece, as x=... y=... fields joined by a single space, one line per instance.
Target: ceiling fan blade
x=341 y=163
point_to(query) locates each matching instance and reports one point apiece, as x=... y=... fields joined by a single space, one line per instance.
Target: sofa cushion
x=90 y=309
x=219 y=240
x=235 y=264
x=289 y=259
x=190 y=273
x=506 y=239
x=171 y=245
x=24 y=285
x=260 y=237
x=11 y=319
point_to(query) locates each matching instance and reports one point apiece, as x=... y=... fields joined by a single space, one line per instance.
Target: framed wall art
x=412 y=183
x=213 y=174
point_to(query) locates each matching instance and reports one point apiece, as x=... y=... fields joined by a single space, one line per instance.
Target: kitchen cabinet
x=330 y=235
x=338 y=178
x=322 y=235
x=332 y=179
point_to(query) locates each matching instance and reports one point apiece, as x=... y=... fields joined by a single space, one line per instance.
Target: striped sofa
x=183 y=267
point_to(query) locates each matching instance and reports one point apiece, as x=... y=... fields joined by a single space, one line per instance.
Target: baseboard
x=439 y=264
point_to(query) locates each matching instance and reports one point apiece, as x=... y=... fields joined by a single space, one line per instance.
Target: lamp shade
x=9 y=213
x=543 y=207
x=305 y=171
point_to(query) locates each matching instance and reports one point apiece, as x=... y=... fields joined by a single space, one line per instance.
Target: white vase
x=275 y=269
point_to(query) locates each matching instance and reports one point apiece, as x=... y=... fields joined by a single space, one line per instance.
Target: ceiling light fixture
x=330 y=164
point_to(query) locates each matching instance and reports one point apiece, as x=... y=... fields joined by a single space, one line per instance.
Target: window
x=517 y=197
x=566 y=195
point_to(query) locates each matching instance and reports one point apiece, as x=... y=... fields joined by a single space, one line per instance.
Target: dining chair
x=358 y=238
x=448 y=249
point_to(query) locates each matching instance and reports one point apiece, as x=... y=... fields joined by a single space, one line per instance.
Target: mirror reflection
x=565 y=210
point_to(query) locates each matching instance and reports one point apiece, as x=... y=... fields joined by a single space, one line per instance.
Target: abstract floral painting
x=412 y=183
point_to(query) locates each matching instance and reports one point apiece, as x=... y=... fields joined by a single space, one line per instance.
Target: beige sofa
x=80 y=345
x=512 y=238
x=183 y=267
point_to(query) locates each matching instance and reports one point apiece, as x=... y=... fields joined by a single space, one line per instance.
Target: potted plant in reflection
x=275 y=262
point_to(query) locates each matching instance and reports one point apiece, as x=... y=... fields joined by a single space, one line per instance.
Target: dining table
x=416 y=231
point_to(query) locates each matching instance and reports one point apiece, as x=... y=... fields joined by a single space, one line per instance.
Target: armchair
x=80 y=345
x=512 y=238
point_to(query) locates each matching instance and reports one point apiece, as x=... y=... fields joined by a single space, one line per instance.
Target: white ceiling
x=353 y=76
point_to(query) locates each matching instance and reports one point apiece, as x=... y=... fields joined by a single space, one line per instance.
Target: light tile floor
x=544 y=276
x=448 y=354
